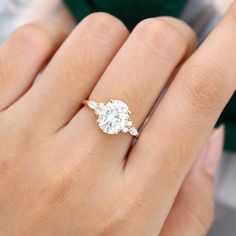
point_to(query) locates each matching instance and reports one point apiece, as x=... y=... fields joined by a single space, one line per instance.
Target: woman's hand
x=61 y=175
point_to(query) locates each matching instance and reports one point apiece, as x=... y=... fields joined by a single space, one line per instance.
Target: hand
x=61 y=175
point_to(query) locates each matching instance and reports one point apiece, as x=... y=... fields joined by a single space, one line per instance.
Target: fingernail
x=213 y=151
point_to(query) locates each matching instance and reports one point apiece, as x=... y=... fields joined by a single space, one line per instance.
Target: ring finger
x=136 y=76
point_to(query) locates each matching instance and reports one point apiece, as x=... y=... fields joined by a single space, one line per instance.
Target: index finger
x=181 y=124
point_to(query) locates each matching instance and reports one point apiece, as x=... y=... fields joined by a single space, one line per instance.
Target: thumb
x=193 y=210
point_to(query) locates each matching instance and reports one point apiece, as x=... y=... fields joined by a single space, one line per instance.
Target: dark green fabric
x=228 y=117
x=133 y=11
x=129 y=11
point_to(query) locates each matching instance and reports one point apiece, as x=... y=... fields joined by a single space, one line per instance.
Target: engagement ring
x=113 y=117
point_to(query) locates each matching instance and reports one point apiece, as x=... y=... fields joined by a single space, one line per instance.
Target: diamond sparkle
x=113 y=117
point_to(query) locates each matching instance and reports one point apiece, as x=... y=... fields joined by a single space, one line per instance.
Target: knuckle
x=29 y=36
x=202 y=222
x=208 y=219
x=203 y=90
x=59 y=190
x=103 y=23
x=159 y=33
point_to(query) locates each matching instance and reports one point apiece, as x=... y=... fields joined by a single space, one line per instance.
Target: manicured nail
x=213 y=151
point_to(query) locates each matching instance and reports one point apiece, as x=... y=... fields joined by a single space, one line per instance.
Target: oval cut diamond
x=113 y=117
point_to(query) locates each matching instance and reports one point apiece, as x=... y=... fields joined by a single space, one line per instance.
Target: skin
x=60 y=175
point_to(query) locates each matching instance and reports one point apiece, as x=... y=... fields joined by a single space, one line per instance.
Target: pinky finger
x=23 y=55
x=193 y=210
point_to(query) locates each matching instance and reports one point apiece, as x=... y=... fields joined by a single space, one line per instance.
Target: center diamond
x=113 y=117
